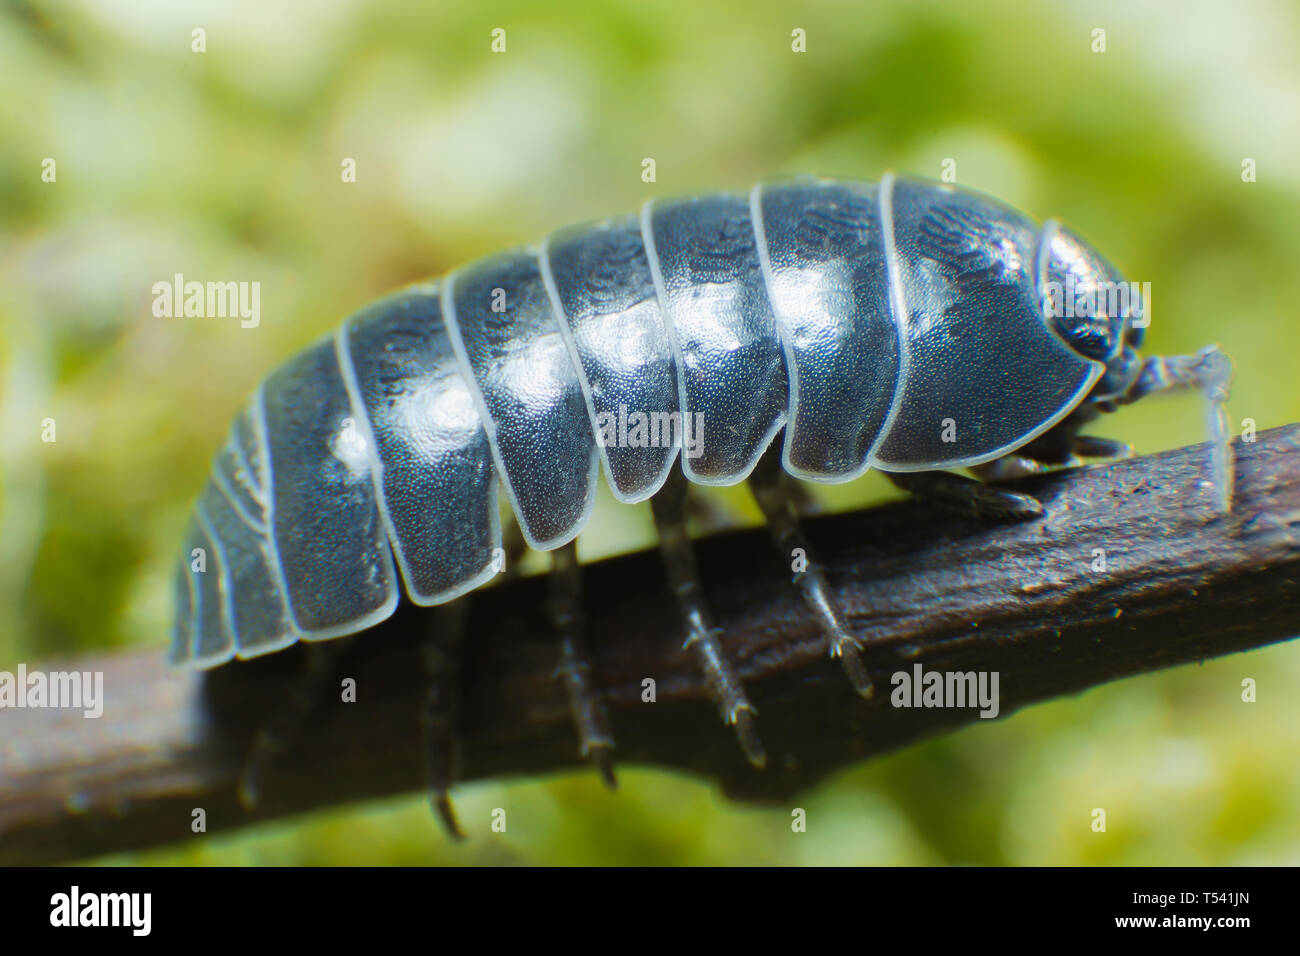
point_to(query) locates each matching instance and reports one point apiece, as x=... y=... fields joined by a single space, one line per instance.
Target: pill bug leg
x=595 y=741
x=440 y=656
x=669 y=509
x=803 y=502
x=1028 y=461
x=708 y=514
x=767 y=482
x=1090 y=446
x=968 y=498
x=306 y=690
x=514 y=546
x=1061 y=445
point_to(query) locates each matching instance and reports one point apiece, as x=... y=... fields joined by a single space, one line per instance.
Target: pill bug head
x=1103 y=318
x=1088 y=303
x=1076 y=284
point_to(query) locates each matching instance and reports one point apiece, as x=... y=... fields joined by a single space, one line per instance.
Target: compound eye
x=1092 y=338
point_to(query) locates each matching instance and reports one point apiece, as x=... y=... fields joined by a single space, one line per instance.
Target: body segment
x=603 y=293
x=823 y=247
x=978 y=353
x=435 y=481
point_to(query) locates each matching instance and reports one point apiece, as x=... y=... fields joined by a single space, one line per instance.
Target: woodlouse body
x=862 y=318
x=902 y=326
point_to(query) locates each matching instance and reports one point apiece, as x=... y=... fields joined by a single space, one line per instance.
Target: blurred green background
x=226 y=165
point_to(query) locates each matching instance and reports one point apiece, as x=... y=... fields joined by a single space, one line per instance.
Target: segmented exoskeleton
x=903 y=326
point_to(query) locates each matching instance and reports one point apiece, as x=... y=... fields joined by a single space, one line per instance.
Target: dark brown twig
x=1026 y=600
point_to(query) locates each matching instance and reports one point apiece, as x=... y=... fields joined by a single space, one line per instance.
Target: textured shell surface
x=855 y=318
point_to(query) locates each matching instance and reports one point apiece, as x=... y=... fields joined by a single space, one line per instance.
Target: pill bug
x=907 y=326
